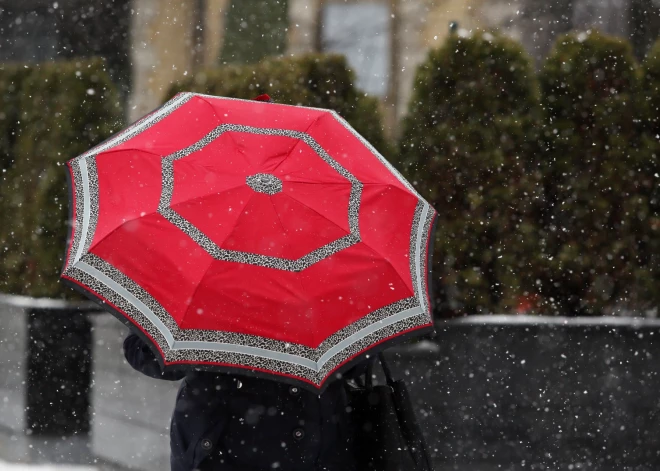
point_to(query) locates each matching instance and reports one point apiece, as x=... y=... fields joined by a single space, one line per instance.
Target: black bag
x=388 y=437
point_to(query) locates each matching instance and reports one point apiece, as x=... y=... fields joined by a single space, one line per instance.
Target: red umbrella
x=252 y=237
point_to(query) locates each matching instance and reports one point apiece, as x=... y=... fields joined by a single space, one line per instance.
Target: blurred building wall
x=303 y=25
x=169 y=40
x=149 y=44
x=161 y=50
x=172 y=38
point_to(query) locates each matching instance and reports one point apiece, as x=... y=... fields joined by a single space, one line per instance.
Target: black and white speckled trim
x=280 y=357
x=252 y=102
x=289 y=369
x=312 y=364
x=93 y=192
x=257 y=259
x=264 y=183
x=139 y=126
x=424 y=259
x=129 y=310
x=376 y=316
x=412 y=257
x=378 y=155
x=412 y=322
x=278 y=263
x=76 y=187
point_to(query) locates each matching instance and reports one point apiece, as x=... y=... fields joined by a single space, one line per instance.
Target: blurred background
x=532 y=126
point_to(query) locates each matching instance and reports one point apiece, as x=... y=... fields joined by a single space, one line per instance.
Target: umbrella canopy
x=253 y=237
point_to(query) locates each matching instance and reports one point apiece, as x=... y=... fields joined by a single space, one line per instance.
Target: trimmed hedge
x=651 y=86
x=651 y=142
x=318 y=80
x=596 y=218
x=254 y=31
x=55 y=111
x=11 y=78
x=558 y=203
x=467 y=145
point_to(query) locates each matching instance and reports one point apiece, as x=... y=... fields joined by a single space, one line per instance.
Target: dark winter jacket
x=223 y=422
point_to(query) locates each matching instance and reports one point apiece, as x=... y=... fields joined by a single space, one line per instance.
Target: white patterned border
x=278 y=263
x=200 y=346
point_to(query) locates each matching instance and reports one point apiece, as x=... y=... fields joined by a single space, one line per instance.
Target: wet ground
x=21 y=453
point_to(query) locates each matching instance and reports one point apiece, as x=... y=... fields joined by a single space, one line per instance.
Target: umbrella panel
x=195 y=119
x=211 y=191
x=294 y=307
x=280 y=226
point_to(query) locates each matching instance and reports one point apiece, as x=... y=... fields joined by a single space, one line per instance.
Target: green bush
x=254 y=31
x=11 y=77
x=596 y=209
x=58 y=110
x=651 y=86
x=322 y=81
x=651 y=143
x=466 y=145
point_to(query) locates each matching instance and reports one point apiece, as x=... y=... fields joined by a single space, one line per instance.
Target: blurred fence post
x=59 y=365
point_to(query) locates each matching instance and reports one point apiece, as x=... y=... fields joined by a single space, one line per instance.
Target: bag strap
x=386 y=369
x=369 y=374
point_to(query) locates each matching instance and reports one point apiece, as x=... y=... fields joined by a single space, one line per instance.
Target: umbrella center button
x=264 y=183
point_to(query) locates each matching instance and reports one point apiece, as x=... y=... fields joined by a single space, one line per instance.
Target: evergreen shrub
x=254 y=31
x=468 y=146
x=596 y=220
x=11 y=77
x=651 y=143
x=651 y=86
x=54 y=112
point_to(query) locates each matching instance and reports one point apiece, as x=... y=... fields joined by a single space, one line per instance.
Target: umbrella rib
x=277 y=214
x=361 y=240
x=238 y=146
x=383 y=257
x=215 y=113
x=157 y=211
x=285 y=154
x=232 y=231
x=312 y=209
x=114 y=151
x=219 y=122
x=119 y=227
x=199 y=283
x=376 y=251
x=306 y=131
x=192 y=200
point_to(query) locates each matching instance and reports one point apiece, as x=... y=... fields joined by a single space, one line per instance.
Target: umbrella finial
x=265 y=97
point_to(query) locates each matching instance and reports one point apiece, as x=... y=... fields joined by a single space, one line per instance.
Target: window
x=361 y=32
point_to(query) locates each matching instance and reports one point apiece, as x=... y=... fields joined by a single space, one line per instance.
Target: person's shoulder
x=133 y=343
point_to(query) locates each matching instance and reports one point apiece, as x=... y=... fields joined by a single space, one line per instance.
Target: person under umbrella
x=224 y=422
x=243 y=238
x=231 y=422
